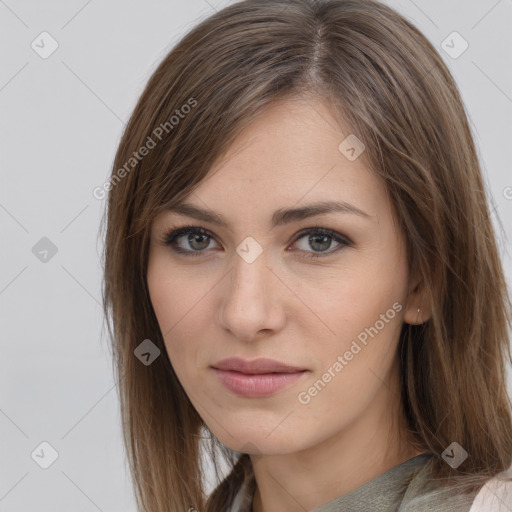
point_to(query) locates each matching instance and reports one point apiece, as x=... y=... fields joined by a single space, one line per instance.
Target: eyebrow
x=279 y=217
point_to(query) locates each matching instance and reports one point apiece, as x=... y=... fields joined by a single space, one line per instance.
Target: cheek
x=345 y=303
x=173 y=302
x=360 y=318
x=175 y=295
x=353 y=366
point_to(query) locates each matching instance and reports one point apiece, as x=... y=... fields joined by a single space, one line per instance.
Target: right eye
x=197 y=239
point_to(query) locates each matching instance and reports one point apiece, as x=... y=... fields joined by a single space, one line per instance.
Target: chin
x=256 y=441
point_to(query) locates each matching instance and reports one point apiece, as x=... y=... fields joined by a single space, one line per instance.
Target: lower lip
x=254 y=386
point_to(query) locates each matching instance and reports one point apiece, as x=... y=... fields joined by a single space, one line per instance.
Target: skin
x=302 y=311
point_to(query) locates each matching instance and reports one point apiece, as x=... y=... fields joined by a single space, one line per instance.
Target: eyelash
x=169 y=238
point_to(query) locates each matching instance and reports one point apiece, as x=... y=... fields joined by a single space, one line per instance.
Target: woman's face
x=329 y=304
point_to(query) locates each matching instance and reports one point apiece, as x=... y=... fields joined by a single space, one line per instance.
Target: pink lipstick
x=256 y=378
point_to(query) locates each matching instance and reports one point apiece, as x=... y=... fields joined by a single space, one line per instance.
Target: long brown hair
x=387 y=82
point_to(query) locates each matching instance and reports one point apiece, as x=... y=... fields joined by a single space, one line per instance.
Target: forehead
x=288 y=164
x=295 y=150
x=295 y=135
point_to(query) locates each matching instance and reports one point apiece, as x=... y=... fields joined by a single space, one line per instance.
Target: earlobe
x=417 y=310
x=414 y=318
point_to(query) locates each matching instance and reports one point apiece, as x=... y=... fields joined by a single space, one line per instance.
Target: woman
x=301 y=274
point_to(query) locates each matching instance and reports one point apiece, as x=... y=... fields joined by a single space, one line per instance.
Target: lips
x=256 y=367
x=257 y=378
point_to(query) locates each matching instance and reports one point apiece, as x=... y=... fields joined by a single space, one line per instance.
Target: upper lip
x=256 y=366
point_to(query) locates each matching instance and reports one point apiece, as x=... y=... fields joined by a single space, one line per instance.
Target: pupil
x=193 y=238
x=325 y=244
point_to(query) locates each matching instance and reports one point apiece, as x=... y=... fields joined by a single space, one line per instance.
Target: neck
x=352 y=457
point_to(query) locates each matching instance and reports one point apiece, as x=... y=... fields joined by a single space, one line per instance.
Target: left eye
x=320 y=239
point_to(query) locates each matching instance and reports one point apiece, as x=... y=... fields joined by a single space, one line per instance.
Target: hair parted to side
x=386 y=81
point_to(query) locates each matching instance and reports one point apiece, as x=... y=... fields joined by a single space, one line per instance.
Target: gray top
x=408 y=487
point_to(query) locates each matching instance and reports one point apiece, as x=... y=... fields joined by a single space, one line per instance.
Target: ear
x=418 y=307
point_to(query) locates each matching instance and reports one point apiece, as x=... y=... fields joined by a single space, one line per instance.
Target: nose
x=252 y=304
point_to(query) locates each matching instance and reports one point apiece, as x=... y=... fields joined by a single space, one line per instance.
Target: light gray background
x=60 y=121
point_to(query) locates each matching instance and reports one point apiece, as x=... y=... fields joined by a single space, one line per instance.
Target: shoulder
x=426 y=495
x=494 y=496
